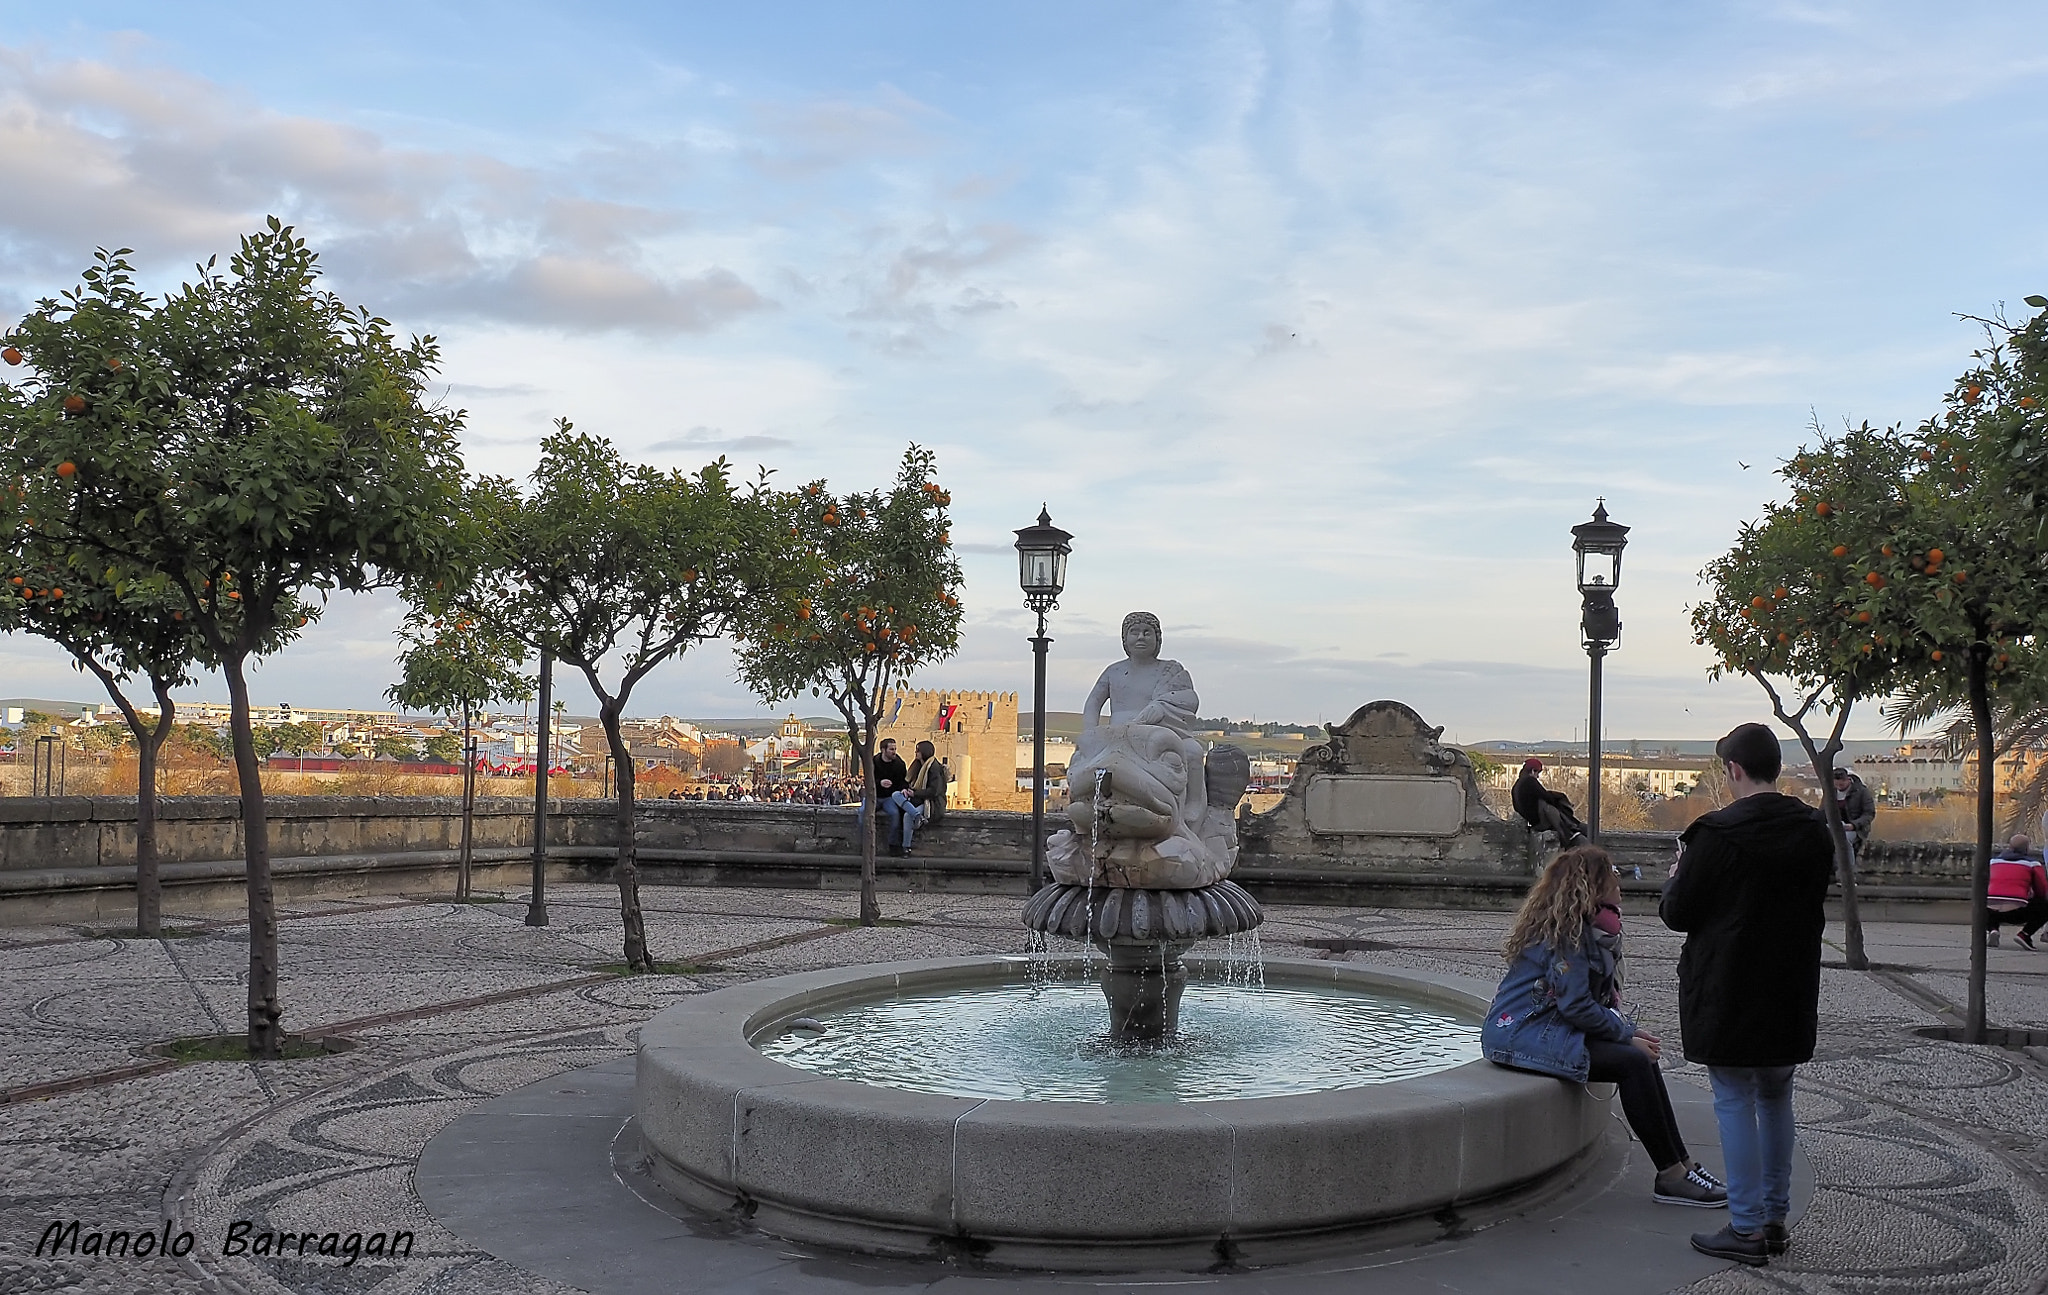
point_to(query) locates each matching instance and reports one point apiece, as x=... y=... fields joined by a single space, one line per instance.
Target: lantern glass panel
x=1599 y=568
x=1038 y=570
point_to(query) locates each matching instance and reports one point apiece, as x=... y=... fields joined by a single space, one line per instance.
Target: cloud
x=713 y=440
x=175 y=166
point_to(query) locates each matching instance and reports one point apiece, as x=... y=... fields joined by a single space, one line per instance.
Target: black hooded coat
x=1749 y=892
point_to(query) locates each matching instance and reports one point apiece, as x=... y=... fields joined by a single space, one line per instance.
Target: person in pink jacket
x=2018 y=892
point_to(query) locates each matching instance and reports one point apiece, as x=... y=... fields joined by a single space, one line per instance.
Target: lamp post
x=1598 y=544
x=537 y=904
x=1041 y=572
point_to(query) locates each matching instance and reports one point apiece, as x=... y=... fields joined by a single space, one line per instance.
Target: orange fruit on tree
x=74 y=403
x=113 y=363
x=1874 y=580
x=1863 y=618
x=1823 y=508
x=1779 y=593
x=2026 y=402
x=1840 y=550
x=1961 y=576
x=1927 y=456
x=12 y=355
x=67 y=469
x=1971 y=393
x=1886 y=550
x=1757 y=601
x=1937 y=654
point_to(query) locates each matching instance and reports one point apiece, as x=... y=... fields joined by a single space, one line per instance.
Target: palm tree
x=2019 y=722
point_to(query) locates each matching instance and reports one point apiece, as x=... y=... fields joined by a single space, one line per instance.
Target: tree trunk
x=149 y=890
x=1980 y=867
x=627 y=871
x=871 y=813
x=468 y=809
x=1823 y=760
x=266 y=1033
x=149 y=894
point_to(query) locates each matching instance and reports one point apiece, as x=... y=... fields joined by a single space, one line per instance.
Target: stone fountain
x=1143 y=872
x=894 y=1108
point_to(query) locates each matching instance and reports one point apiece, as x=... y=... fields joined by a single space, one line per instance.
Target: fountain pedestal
x=1143 y=983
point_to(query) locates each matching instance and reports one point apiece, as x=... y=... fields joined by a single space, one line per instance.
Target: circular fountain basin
x=1045 y=1039
x=1099 y=1180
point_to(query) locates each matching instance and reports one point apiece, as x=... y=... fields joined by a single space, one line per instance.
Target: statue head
x=1142 y=637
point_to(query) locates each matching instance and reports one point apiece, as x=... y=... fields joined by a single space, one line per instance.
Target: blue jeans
x=1753 y=1106
x=899 y=819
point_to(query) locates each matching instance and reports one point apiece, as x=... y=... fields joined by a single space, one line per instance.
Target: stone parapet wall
x=99 y=831
x=818 y=829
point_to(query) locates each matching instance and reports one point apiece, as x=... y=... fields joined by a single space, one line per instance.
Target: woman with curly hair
x=1558 y=1012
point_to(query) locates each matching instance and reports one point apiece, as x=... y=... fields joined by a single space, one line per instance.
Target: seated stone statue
x=1168 y=820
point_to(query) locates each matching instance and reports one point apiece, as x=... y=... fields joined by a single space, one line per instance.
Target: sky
x=1319 y=324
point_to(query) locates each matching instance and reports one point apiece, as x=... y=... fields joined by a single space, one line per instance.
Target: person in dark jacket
x=890 y=779
x=1545 y=810
x=1748 y=891
x=1858 y=806
x=1558 y=1012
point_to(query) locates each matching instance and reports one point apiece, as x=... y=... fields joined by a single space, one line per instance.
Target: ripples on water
x=1048 y=1041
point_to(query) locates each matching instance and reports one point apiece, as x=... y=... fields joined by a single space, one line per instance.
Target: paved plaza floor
x=1927 y=1157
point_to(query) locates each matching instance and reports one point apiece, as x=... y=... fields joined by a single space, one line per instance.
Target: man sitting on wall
x=1545 y=810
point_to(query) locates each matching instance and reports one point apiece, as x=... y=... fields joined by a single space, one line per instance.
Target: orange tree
x=617 y=567
x=1965 y=570
x=885 y=601
x=1792 y=606
x=117 y=629
x=452 y=665
x=242 y=446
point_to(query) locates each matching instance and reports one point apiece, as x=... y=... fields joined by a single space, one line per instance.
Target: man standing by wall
x=1748 y=891
x=1859 y=809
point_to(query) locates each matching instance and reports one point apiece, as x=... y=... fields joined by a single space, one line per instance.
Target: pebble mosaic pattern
x=1930 y=1156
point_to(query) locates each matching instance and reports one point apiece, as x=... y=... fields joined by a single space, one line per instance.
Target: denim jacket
x=1548 y=1005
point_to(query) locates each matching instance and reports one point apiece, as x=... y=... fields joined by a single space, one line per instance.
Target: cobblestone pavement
x=1929 y=1155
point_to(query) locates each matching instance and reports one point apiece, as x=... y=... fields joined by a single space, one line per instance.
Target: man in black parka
x=1748 y=890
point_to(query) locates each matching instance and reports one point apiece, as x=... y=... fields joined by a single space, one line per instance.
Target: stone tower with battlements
x=977 y=740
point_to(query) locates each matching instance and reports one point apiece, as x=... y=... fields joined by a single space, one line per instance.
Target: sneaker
x=1776 y=1239
x=1991 y=939
x=2026 y=941
x=1708 y=1174
x=1682 y=1184
x=1730 y=1244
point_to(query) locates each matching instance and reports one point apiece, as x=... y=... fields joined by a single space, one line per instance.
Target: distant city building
x=16 y=709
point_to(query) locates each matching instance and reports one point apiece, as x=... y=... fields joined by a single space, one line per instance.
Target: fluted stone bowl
x=1090 y=1186
x=1105 y=914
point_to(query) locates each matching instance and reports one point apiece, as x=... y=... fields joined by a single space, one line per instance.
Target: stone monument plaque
x=1379 y=804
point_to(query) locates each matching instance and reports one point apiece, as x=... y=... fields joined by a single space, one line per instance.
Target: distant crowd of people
x=828 y=792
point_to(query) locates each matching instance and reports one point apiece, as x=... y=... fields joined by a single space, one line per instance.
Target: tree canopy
x=884 y=602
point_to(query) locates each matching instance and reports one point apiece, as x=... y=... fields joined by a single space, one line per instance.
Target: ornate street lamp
x=1599 y=544
x=1041 y=572
x=537 y=903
